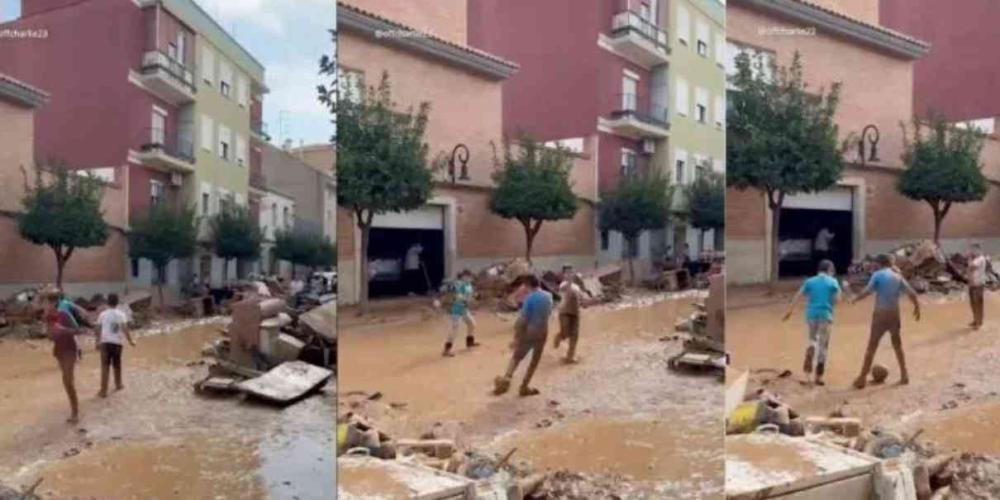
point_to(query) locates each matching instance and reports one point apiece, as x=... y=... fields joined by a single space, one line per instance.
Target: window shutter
x=683 y=24
x=720 y=110
x=207 y=64
x=683 y=106
x=207 y=135
x=720 y=49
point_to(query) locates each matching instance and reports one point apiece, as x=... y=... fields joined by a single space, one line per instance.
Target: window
x=683 y=24
x=352 y=84
x=628 y=160
x=682 y=97
x=158 y=132
x=207 y=65
x=155 y=192
x=704 y=35
x=224 y=89
x=701 y=105
x=629 y=92
x=224 y=143
x=240 y=90
x=605 y=239
x=733 y=50
x=205 y=203
x=181 y=47
x=172 y=51
x=207 y=133
x=680 y=166
x=225 y=78
x=241 y=150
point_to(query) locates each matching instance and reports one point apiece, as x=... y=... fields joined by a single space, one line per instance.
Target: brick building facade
x=848 y=47
x=464 y=88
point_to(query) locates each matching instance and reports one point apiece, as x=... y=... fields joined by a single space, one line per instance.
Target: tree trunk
x=631 y=242
x=363 y=292
x=59 y=269
x=701 y=242
x=160 y=273
x=939 y=214
x=775 y=201
x=530 y=231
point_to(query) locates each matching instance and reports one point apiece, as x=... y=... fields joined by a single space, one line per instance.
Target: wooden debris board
x=287 y=382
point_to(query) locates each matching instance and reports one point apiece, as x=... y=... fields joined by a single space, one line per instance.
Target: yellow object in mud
x=744 y=418
x=341 y=438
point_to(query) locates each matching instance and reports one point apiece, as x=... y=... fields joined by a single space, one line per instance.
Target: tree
x=639 y=203
x=943 y=168
x=163 y=235
x=706 y=198
x=781 y=138
x=381 y=160
x=305 y=249
x=533 y=186
x=63 y=214
x=235 y=234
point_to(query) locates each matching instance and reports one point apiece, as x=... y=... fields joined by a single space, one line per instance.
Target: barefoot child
x=460 y=313
x=531 y=331
x=887 y=285
x=822 y=292
x=60 y=329
x=112 y=323
x=569 y=313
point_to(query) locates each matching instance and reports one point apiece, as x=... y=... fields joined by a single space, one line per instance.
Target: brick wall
x=16 y=144
x=864 y=10
x=446 y=19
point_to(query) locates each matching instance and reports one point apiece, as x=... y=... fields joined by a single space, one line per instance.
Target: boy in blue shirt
x=888 y=286
x=822 y=293
x=460 y=313
x=531 y=331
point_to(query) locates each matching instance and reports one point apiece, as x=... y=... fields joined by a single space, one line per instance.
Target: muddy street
x=950 y=394
x=156 y=438
x=619 y=412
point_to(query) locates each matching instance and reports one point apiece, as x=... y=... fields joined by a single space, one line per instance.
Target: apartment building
x=155 y=87
x=842 y=41
x=644 y=77
x=312 y=189
x=959 y=76
x=276 y=214
x=463 y=85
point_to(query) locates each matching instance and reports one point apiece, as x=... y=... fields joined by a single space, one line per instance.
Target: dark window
x=702 y=48
x=702 y=113
x=605 y=240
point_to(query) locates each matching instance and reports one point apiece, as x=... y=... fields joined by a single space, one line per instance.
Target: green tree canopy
x=235 y=233
x=163 y=235
x=638 y=203
x=781 y=138
x=305 y=249
x=532 y=186
x=63 y=213
x=942 y=168
x=706 y=198
x=382 y=162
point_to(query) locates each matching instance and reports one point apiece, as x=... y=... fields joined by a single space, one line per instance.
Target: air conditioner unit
x=648 y=146
x=176 y=179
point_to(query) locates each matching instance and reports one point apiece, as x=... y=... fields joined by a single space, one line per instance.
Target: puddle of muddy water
x=196 y=467
x=299 y=463
x=971 y=429
x=654 y=451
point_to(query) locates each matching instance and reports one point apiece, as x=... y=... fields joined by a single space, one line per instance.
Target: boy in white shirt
x=112 y=325
x=977 y=272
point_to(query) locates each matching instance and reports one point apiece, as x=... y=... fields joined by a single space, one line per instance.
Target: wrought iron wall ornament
x=460 y=153
x=871 y=134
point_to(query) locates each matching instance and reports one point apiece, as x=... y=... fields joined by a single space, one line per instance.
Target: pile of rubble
x=22 y=312
x=435 y=464
x=925 y=266
x=500 y=283
x=273 y=351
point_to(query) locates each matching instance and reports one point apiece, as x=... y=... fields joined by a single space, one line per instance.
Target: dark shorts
x=886 y=320
x=111 y=355
x=569 y=326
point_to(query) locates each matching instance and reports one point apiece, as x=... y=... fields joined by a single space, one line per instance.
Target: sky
x=288 y=38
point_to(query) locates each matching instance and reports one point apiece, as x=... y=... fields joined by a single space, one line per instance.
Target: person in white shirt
x=413 y=274
x=976 y=276
x=112 y=326
x=569 y=313
x=821 y=245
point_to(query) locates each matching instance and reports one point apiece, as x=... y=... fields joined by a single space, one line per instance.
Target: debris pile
x=273 y=351
x=705 y=348
x=924 y=265
x=500 y=283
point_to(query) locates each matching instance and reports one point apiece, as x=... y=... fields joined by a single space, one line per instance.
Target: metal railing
x=182 y=73
x=258 y=127
x=632 y=106
x=628 y=20
x=156 y=140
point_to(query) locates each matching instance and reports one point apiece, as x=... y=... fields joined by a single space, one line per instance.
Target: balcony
x=169 y=79
x=258 y=130
x=639 y=39
x=170 y=156
x=631 y=118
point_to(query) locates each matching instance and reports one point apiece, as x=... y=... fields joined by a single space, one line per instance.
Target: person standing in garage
x=413 y=275
x=821 y=245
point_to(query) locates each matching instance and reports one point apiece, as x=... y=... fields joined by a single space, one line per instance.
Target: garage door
x=428 y=217
x=841 y=198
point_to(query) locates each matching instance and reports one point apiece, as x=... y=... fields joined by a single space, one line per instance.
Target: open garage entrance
x=803 y=217
x=391 y=237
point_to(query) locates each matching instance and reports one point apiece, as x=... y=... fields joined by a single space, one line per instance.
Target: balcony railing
x=629 y=21
x=155 y=140
x=182 y=73
x=631 y=106
x=259 y=128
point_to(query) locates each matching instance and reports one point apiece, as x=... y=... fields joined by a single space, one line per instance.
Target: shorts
x=569 y=326
x=886 y=321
